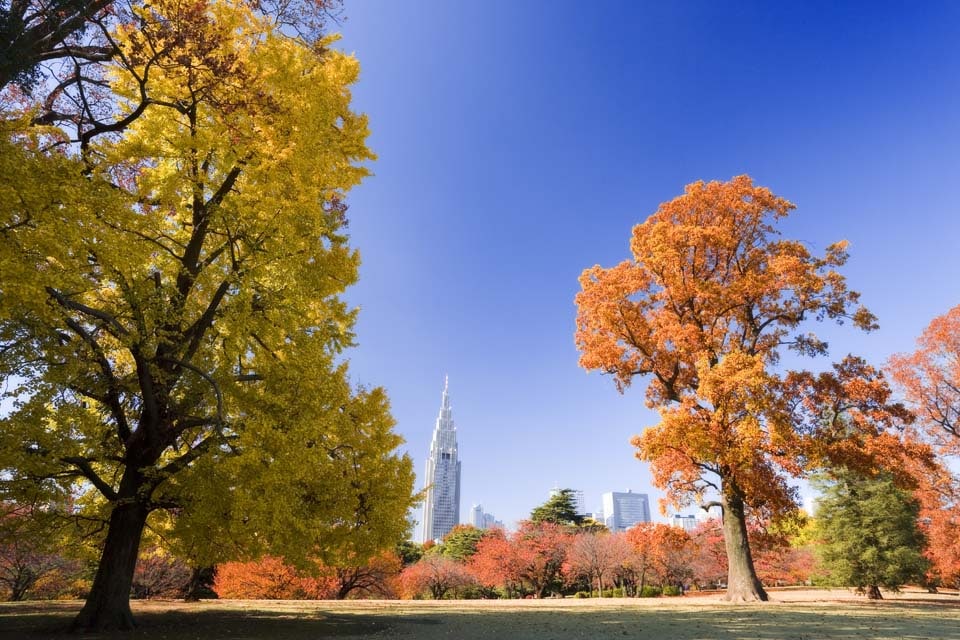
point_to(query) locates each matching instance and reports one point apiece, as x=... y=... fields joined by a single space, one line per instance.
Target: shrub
x=671 y=590
x=650 y=592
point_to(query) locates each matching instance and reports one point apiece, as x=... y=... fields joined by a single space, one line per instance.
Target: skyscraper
x=441 y=507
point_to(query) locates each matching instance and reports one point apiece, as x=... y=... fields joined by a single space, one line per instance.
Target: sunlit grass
x=797 y=616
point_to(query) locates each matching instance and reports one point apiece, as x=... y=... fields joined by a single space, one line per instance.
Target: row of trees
x=868 y=533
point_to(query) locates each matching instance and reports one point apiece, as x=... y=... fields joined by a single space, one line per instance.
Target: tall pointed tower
x=441 y=507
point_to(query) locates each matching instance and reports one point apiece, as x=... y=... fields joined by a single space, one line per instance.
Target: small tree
x=661 y=553
x=159 y=575
x=27 y=556
x=870 y=534
x=372 y=578
x=498 y=563
x=542 y=550
x=435 y=574
x=596 y=556
x=709 y=558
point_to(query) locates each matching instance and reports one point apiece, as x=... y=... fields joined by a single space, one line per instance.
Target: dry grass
x=793 y=615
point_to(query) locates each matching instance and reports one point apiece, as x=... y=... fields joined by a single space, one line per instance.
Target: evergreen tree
x=561 y=508
x=870 y=534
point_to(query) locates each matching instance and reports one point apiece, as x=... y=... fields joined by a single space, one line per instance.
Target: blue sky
x=520 y=141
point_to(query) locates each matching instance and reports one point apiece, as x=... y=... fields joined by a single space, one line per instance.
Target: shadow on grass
x=51 y=620
x=884 y=621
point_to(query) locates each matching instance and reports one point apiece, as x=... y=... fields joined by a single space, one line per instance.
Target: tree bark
x=742 y=582
x=873 y=592
x=201 y=580
x=108 y=605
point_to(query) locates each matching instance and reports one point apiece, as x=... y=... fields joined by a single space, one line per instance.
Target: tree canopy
x=171 y=331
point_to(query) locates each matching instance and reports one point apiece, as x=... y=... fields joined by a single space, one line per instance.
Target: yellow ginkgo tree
x=172 y=254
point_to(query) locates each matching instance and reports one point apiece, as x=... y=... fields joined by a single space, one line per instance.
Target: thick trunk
x=108 y=605
x=742 y=582
x=873 y=592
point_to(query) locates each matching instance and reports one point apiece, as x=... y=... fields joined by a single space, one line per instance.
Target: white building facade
x=623 y=510
x=687 y=523
x=441 y=506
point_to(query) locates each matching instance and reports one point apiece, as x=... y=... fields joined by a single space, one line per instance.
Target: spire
x=445 y=401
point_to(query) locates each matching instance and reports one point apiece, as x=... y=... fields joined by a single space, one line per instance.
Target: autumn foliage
x=662 y=553
x=272 y=578
x=269 y=578
x=434 y=575
x=930 y=378
x=701 y=311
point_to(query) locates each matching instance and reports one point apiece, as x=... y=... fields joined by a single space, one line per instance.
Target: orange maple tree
x=434 y=574
x=930 y=380
x=662 y=553
x=498 y=563
x=702 y=311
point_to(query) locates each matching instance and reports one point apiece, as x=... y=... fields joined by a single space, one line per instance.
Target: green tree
x=560 y=508
x=171 y=328
x=408 y=551
x=870 y=537
x=461 y=543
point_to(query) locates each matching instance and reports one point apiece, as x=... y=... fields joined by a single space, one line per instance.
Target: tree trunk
x=742 y=582
x=201 y=580
x=108 y=605
x=873 y=592
x=20 y=586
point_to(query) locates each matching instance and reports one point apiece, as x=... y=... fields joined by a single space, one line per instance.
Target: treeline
x=868 y=534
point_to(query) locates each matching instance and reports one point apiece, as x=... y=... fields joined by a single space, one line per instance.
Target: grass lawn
x=793 y=615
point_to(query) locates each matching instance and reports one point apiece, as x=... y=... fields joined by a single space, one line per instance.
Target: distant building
x=476 y=516
x=482 y=520
x=441 y=507
x=623 y=510
x=687 y=523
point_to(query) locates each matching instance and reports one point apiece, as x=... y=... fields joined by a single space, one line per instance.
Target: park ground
x=791 y=615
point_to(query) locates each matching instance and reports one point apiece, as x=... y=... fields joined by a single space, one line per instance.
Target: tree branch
x=83 y=465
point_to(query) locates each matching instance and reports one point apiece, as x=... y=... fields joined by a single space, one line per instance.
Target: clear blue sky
x=520 y=141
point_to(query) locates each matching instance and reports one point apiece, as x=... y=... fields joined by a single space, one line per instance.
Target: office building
x=623 y=510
